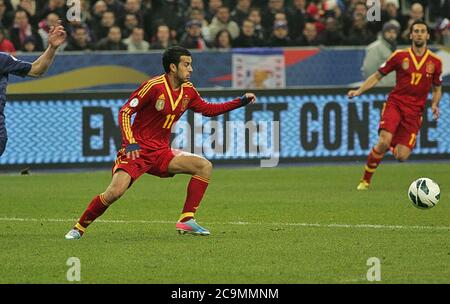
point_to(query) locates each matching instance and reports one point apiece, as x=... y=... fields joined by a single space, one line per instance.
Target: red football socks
x=96 y=208
x=196 y=188
x=373 y=161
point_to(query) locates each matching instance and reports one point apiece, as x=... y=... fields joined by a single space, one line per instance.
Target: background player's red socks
x=96 y=208
x=373 y=161
x=196 y=188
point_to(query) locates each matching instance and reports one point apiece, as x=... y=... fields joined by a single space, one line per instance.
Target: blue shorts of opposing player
x=3 y=141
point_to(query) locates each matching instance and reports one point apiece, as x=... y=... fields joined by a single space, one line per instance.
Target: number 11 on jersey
x=169 y=121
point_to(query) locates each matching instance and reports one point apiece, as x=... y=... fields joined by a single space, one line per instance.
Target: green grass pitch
x=303 y=224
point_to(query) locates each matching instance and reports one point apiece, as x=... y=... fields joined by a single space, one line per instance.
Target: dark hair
x=79 y=27
x=223 y=7
x=219 y=33
x=172 y=55
x=419 y=22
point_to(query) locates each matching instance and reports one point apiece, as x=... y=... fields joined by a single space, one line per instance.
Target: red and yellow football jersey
x=415 y=75
x=158 y=107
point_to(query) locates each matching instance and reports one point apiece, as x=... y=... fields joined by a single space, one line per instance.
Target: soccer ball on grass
x=424 y=193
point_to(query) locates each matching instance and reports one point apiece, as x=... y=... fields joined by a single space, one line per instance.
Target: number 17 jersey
x=415 y=76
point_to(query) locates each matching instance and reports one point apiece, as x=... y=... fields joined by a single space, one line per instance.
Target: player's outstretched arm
x=214 y=109
x=367 y=85
x=56 y=37
x=436 y=94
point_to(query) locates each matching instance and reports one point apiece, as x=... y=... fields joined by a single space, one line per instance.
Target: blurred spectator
x=97 y=12
x=6 y=17
x=107 y=21
x=131 y=21
x=443 y=32
x=391 y=11
x=310 y=37
x=29 y=6
x=112 y=42
x=268 y=15
x=222 y=21
x=44 y=27
x=280 y=35
x=79 y=40
x=21 y=30
x=359 y=34
x=5 y=44
x=29 y=45
x=162 y=40
x=336 y=22
x=116 y=7
x=314 y=15
x=74 y=24
x=333 y=8
x=85 y=14
x=195 y=5
x=192 y=38
x=247 y=37
x=296 y=16
x=199 y=15
x=280 y=17
x=213 y=7
x=359 y=8
x=332 y=34
x=223 y=40
x=241 y=11
x=415 y=13
x=132 y=7
x=379 y=51
x=255 y=17
x=136 y=42
x=170 y=12
x=54 y=6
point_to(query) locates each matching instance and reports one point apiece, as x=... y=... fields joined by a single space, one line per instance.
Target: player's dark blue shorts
x=2 y=144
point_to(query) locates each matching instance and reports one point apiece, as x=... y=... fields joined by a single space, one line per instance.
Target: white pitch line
x=317 y=225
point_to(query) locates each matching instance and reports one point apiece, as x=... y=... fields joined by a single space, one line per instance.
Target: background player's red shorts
x=404 y=126
x=151 y=162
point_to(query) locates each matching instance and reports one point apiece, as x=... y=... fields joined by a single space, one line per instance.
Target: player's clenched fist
x=353 y=93
x=248 y=98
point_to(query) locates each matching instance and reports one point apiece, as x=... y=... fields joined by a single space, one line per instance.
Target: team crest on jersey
x=430 y=67
x=405 y=64
x=184 y=103
x=134 y=102
x=160 y=102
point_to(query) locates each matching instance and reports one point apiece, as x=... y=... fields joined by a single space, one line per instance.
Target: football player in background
x=418 y=70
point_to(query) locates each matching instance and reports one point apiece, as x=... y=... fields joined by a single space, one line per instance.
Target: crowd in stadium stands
x=140 y=25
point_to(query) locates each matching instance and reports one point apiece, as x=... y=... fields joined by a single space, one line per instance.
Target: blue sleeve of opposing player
x=11 y=65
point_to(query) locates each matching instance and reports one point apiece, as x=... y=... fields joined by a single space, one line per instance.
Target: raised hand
x=57 y=35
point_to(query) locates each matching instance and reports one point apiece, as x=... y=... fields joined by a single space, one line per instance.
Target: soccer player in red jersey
x=418 y=69
x=158 y=103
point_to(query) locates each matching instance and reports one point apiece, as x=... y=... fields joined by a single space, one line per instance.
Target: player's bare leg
x=401 y=152
x=118 y=186
x=200 y=169
x=374 y=158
